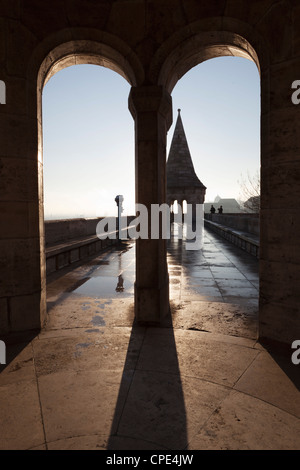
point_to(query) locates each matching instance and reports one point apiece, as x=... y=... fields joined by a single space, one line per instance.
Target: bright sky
x=89 y=134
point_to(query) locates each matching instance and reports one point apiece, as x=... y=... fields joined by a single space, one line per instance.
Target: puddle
x=79 y=346
x=113 y=279
x=98 y=321
x=85 y=307
x=106 y=287
x=83 y=345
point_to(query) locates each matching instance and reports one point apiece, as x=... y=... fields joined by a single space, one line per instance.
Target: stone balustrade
x=239 y=229
x=71 y=240
x=248 y=223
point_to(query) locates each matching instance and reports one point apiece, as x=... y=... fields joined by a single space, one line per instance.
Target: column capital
x=151 y=98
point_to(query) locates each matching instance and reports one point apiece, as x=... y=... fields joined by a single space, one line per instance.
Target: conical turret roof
x=180 y=168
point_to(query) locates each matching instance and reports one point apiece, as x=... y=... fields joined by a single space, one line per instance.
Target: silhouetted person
x=220 y=210
x=212 y=209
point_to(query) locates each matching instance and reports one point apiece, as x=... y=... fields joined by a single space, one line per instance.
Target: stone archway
x=45 y=62
x=153 y=49
x=227 y=36
x=192 y=46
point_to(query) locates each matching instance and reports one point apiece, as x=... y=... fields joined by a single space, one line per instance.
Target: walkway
x=202 y=281
x=94 y=380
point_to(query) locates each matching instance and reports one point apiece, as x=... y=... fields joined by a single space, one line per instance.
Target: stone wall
x=241 y=222
x=60 y=231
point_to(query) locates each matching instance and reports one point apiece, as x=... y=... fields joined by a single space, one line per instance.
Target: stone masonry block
x=25 y=312
x=4 y=321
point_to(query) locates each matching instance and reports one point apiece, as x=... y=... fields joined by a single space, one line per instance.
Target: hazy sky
x=89 y=134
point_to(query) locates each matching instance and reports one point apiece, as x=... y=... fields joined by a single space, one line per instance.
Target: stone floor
x=93 y=379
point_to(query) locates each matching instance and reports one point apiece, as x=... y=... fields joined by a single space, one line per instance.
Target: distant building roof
x=229 y=205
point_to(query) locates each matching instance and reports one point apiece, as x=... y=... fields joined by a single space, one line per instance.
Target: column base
x=26 y=312
x=151 y=305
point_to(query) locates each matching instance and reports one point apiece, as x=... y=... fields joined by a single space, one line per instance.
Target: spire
x=180 y=168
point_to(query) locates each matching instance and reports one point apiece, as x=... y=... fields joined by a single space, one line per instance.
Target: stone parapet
x=243 y=240
x=70 y=240
x=242 y=222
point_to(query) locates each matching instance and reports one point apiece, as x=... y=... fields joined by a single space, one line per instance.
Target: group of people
x=213 y=210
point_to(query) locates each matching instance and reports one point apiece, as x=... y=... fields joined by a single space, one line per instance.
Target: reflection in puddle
x=106 y=287
x=114 y=278
x=120 y=285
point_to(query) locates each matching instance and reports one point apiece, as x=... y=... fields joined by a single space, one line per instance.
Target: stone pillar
x=151 y=108
x=279 y=316
x=22 y=263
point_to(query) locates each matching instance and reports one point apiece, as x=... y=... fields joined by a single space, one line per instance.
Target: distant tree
x=250 y=192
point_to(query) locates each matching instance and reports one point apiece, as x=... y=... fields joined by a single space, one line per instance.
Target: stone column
x=22 y=263
x=279 y=317
x=151 y=108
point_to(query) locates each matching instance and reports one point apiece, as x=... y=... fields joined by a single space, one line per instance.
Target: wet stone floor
x=219 y=272
x=212 y=289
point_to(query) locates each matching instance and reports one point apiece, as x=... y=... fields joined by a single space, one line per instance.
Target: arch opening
x=58 y=61
x=214 y=267
x=84 y=109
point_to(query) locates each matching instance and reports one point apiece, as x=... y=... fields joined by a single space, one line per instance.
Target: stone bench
x=246 y=241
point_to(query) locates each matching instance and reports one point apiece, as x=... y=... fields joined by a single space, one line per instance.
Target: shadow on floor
x=281 y=353
x=150 y=412
x=15 y=343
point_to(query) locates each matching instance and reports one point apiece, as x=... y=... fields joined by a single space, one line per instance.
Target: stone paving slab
x=20 y=364
x=165 y=407
x=89 y=442
x=190 y=354
x=79 y=403
x=20 y=416
x=243 y=422
x=216 y=317
x=272 y=383
x=101 y=349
